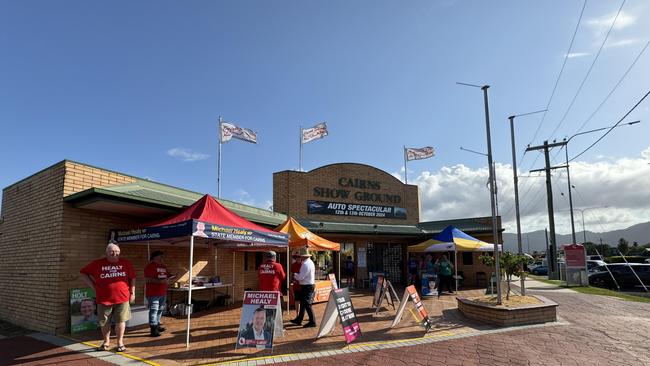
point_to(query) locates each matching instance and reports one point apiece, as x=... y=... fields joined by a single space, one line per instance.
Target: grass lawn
x=592 y=290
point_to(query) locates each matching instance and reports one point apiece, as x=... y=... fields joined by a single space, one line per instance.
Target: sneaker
x=309 y=325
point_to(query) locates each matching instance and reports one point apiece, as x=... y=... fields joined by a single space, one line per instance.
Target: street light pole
x=495 y=233
x=516 y=184
x=582 y=212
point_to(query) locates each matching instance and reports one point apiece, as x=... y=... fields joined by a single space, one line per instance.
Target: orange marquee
x=299 y=236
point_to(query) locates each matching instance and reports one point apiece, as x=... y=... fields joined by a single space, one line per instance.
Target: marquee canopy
x=299 y=236
x=206 y=218
x=452 y=239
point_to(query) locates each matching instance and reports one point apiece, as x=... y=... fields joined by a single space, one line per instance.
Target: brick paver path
x=602 y=331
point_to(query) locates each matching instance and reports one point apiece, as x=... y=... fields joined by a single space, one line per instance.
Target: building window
x=468 y=258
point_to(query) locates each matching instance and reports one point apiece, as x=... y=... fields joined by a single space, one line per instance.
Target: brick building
x=58 y=219
x=373 y=214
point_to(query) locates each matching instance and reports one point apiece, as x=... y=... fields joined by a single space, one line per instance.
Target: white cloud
x=242 y=196
x=621 y=43
x=621 y=185
x=186 y=154
x=601 y=24
x=577 y=54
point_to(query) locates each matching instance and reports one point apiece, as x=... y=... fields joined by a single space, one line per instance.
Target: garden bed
x=518 y=310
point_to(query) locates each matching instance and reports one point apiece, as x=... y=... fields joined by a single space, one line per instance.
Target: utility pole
x=553 y=272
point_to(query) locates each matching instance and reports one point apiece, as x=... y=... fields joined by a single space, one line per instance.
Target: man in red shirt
x=157 y=278
x=113 y=279
x=270 y=274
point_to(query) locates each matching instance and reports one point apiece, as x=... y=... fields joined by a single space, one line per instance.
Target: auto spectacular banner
x=201 y=229
x=354 y=209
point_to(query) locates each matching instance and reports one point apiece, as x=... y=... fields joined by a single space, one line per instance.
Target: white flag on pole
x=317 y=132
x=421 y=153
x=229 y=130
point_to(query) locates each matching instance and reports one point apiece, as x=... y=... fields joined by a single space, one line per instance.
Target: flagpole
x=405 y=174
x=300 y=143
x=219 y=161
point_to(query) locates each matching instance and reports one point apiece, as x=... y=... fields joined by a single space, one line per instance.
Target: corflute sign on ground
x=340 y=306
x=422 y=315
x=259 y=319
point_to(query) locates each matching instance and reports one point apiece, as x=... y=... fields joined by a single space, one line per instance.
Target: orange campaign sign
x=412 y=294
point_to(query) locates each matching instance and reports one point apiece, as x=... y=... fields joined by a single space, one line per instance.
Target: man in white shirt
x=306 y=279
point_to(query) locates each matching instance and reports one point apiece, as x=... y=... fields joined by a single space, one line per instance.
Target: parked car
x=594 y=258
x=624 y=276
x=592 y=264
x=540 y=270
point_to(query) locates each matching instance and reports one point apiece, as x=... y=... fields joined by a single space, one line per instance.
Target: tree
x=623 y=246
x=509 y=263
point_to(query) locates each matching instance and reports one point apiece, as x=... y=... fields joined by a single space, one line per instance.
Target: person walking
x=113 y=279
x=306 y=278
x=444 y=272
x=157 y=276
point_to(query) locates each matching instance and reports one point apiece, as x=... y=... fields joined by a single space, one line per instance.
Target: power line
x=615 y=86
x=614 y=126
x=584 y=80
x=620 y=80
x=557 y=80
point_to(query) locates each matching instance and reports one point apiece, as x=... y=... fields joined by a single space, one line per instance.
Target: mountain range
x=536 y=241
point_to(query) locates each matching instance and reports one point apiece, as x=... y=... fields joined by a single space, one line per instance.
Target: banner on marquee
x=340 y=306
x=421 y=313
x=261 y=320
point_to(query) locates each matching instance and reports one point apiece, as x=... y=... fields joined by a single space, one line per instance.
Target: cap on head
x=154 y=254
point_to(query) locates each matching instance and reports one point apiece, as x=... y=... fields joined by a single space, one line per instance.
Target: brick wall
x=31 y=247
x=292 y=190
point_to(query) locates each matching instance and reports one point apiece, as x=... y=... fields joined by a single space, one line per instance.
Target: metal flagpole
x=300 y=143
x=189 y=294
x=219 y=160
x=405 y=174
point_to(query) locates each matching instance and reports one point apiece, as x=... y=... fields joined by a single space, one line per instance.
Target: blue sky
x=120 y=84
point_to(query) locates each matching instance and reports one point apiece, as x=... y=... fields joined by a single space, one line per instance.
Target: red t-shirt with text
x=111 y=280
x=156 y=271
x=270 y=275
